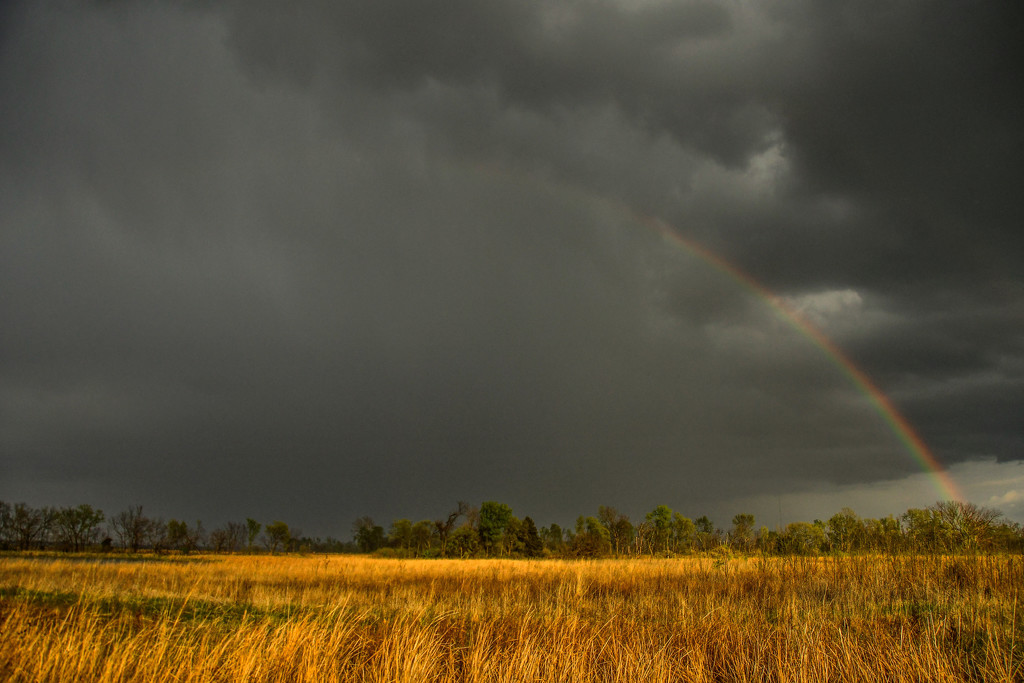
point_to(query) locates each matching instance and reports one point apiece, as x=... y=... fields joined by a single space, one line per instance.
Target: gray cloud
x=318 y=261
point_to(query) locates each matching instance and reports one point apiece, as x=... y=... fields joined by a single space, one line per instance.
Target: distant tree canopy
x=368 y=536
x=276 y=536
x=494 y=517
x=492 y=530
x=252 y=528
x=79 y=527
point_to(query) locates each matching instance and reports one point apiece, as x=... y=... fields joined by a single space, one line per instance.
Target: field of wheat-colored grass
x=347 y=618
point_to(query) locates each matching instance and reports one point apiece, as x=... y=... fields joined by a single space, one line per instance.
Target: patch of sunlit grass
x=345 y=618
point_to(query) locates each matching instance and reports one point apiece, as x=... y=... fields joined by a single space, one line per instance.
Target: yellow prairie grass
x=342 y=618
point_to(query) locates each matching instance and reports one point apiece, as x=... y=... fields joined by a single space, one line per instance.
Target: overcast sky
x=311 y=261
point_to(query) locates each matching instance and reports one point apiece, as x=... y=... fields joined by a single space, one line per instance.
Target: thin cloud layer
x=313 y=262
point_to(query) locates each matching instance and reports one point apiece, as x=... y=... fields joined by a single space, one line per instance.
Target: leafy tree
x=683 y=532
x=553 y=538
x=622 y=534
x=743 y=531
x=707 y=536
x=1008 y=536
x=620 y=530
x=769 y=541
x=464 y=541
x=78 y=527
x=845 y=531
x=494 y=518
x=660 y=519
x=276 y=536
x=183 y=537
x=592 y=538
x=884 y=534
x=421 y=533
x=367 y=535
x=533 y=546
x=923 y=529
x=325 y=545
x=820 y=534
x=513 y=537
x=252 y=528
x=294 y=538
x=801 y=538
x=400 y=534
x=178 y=535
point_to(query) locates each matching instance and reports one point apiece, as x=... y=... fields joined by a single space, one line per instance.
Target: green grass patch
x=228 y=614
x=103 y=558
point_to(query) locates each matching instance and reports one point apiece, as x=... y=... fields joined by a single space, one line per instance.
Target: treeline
x=74 y=529
x=492 y=530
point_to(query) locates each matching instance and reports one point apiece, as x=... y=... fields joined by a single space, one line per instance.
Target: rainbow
x=940 y=478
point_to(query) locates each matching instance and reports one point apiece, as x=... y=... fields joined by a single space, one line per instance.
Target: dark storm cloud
x=915 y=112
x=543 y=56
x=911 y=112
x=314 y=261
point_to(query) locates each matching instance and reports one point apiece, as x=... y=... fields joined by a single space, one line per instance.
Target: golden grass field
x=352 y=618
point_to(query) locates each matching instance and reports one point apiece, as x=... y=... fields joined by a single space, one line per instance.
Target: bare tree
x=968 y=526
x=644 y=538
x=78 y=527
x=219 y=540
x=155 y=535
x=237 y=535
x=6 y=525
x=472 y=515
x=444 y=527
x=295 y=540
x=130 y=527
x=228 y=538
x=30 y=526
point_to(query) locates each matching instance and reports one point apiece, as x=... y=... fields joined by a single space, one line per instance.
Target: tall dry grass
x=362 y=619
